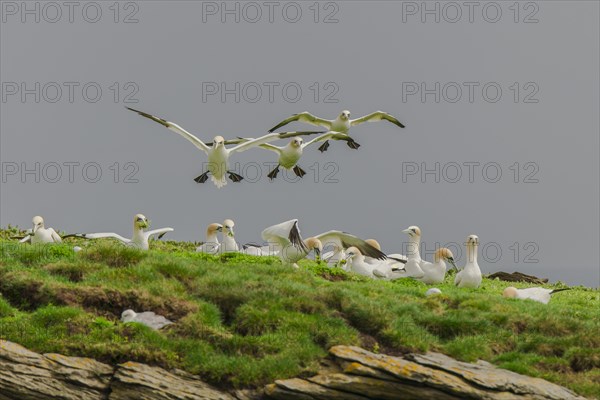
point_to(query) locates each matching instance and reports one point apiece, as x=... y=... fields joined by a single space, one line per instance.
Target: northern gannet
x=147 y=318
x=412 y=264
x=432 y=291
x=290 y=154
x=538 y=294
x=229 y=244
x=140 y=237
x=211 y=245
x=341 y=124
x=355 y=262
x=40 y=234
x=470 y=275
x=218 y=154
x=436 y=272
x=286 y=238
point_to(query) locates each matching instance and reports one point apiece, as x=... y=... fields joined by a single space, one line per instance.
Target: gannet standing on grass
x=412 y=267
x=40 y=234
x=147 y=318
x=355 y=262
x=229 y=244
x=140 y=237
x=436 y=272
x=286 y=238
x=470 y=275
x=538 y=294
x=218 y=154
x=341 y=125
x=211 y=245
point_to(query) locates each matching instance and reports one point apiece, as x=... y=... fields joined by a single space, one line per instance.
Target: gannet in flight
x=470 y=275
x=140 y=237
x=41 y=234
x=218 y=154
x=229 y=244
x=286 y=238
x=147 y=318
x=290 y=154
x=436 y=272
x=211 y=245
x=535 y=293
x=341 y=124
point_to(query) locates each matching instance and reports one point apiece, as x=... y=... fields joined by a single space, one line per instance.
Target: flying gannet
x=140 y=237
x=229 y=244
x=341 y=124
x=147 y=318
x=211 y=245
x=218 y=154
x=470 y=275
x=286 y=238
x=538 y=294
x=436 y=272
x=290 y=154
x=40 y=234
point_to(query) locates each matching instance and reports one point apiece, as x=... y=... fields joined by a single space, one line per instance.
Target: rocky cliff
x=351 y=373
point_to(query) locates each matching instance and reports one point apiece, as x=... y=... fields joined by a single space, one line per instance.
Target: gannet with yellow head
x=211 y=245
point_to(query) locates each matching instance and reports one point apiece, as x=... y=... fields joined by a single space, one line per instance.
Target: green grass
x=245 y=321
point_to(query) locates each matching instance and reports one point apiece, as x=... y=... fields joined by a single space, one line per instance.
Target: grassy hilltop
x=245 y=321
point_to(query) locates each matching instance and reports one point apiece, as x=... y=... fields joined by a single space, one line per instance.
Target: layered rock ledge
x=352 y=373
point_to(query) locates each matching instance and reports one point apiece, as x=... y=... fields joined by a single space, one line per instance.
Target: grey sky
x=373 y=56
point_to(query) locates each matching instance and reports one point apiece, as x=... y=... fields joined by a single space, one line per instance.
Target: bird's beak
x=406 y=231
x=230 y=233
x=35 y=228
x=317 y=255
x=451 y=261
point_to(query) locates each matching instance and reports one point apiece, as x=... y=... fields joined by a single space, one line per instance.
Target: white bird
x=538 y=294
x=218 y=154
x=341 y=124
x=436 y=272
x=470 y=275
x=140 y=237
x=355 y=262
x=290 y=154
x=211 y=245
x=412 y=266
x=40 y=234
x=286 y=238
x=147 y=318
x=229 y=244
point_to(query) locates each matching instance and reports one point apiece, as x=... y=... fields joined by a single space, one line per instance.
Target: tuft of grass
x=244 y=321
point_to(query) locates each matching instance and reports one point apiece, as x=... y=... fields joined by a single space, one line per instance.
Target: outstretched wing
x=255 y=142
x=24 y=240
x=329 y=135
x=285 y=135
x=175 y=128
x=377 y=116
x=271 y=147
x=304 y=117
x=160 y=232
x=103 y=235
x=345 y=240
x=284 y=234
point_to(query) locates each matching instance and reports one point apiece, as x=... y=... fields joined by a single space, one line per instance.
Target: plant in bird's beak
x=230 y=233
x=318 y=256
